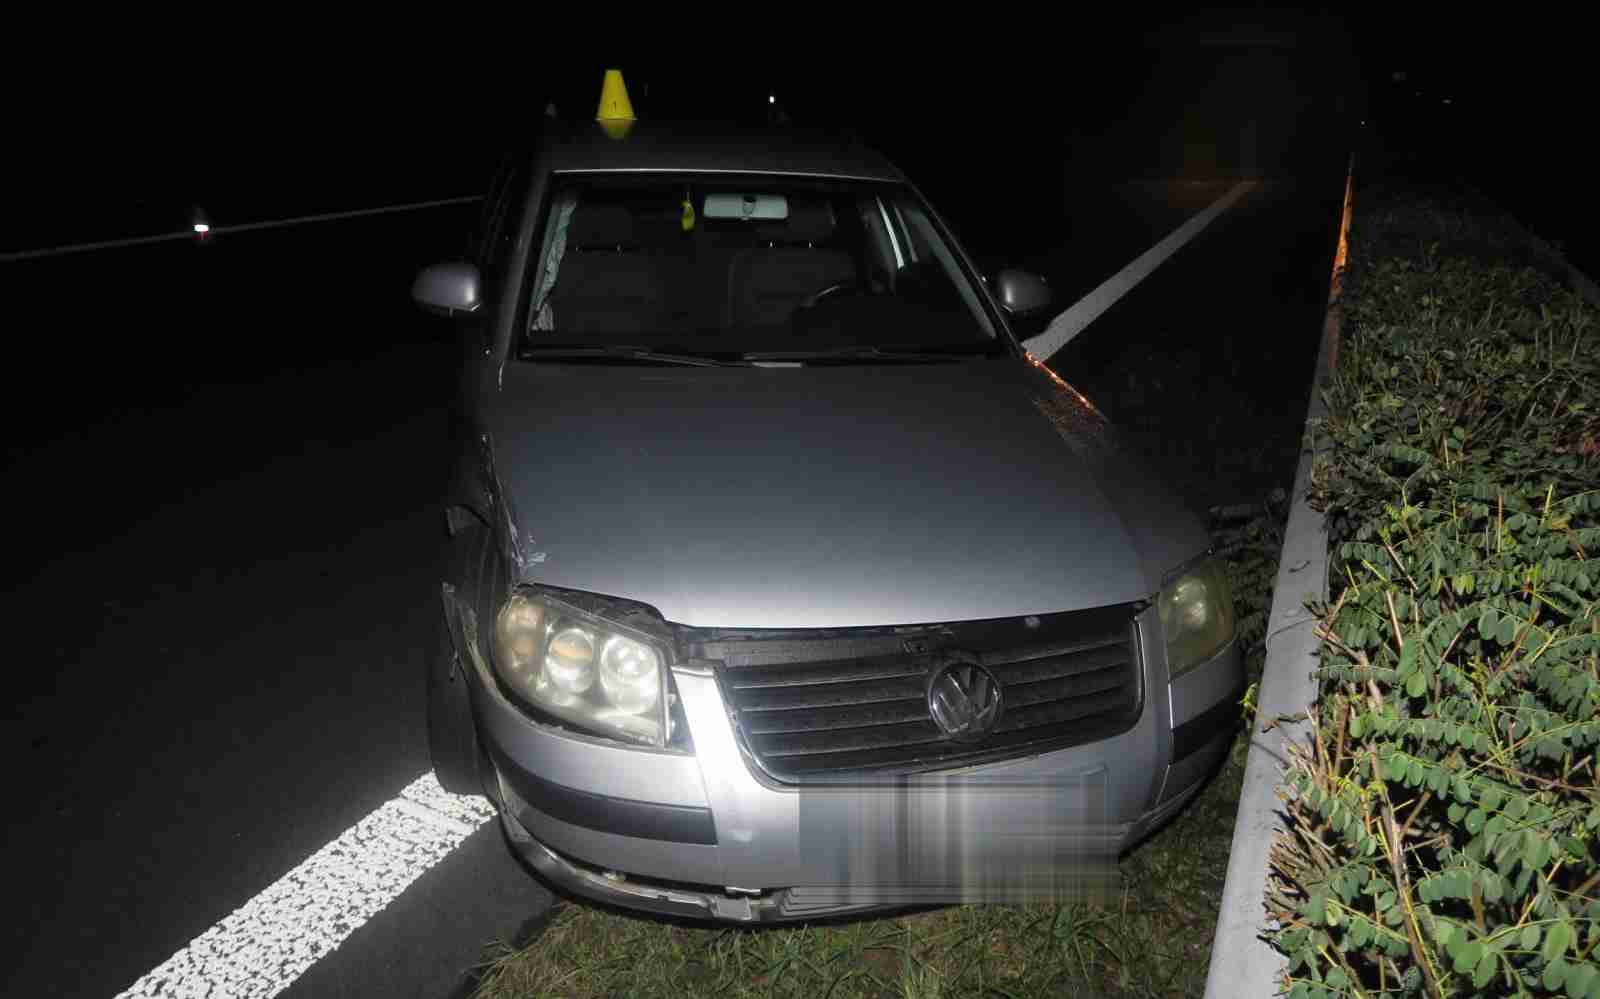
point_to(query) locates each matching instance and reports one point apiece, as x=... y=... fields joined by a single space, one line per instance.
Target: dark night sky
x=250 y=137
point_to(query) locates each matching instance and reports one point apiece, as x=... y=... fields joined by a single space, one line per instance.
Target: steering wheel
x=811 y=300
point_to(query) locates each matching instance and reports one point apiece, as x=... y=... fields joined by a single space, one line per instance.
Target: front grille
x=821 y=705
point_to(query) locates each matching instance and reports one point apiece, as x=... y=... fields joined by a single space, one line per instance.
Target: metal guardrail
x=1243 y=963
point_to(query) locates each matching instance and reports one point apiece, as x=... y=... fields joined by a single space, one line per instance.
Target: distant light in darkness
x=201 y=228
x=772 y=98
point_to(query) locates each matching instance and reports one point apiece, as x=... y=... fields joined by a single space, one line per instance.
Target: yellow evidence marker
x=616 y=111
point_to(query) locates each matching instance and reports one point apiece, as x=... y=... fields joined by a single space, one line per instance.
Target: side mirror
x=1021 y=292
x=448 y=289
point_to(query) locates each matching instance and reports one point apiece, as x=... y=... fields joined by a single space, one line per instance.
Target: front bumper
x=708 y=835
x=686 y=901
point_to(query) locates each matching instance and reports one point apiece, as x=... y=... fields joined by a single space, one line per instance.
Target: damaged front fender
x=517 y=548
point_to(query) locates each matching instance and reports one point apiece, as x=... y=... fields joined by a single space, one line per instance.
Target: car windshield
x=636 y=266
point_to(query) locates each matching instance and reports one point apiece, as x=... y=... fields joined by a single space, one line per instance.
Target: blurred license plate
x=961 y=838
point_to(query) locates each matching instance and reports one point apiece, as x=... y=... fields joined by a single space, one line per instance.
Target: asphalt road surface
x=225 y=466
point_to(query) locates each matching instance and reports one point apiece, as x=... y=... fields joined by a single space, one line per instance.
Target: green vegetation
x=1444 y=816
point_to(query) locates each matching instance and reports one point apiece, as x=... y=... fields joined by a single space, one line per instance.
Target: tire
x=452 y=733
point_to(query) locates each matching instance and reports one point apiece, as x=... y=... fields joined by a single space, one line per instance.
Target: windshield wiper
x=628 y=352
x=871 y=354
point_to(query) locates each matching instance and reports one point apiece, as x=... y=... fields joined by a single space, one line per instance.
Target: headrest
x=599 y=226
x=808 y=222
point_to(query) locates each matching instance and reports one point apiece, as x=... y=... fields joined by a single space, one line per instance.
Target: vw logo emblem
x=964 y=701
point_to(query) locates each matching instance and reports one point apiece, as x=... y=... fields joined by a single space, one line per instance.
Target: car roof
x=710 y=147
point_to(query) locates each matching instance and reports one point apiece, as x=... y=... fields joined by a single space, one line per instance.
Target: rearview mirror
x=448 y=289
x=1021 y=292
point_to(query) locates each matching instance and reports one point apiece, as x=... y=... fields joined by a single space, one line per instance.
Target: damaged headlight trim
x=1196 y=607
x=599 y=674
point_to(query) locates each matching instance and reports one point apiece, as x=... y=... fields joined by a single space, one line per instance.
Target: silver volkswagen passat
x=781 y=581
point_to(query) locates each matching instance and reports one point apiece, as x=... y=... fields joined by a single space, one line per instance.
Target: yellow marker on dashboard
x=616 y=111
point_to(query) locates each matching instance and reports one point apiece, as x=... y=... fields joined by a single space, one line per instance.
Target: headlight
x=1196 y=614
x=568 y=665
x=630 y=675
x=578 y=666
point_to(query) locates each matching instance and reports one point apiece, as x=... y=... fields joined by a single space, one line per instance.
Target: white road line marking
x=213 y=231
x=265 y=944
x=1087 y=309
x=433 y=818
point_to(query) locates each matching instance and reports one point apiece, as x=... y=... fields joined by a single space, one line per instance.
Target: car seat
x=766 y=283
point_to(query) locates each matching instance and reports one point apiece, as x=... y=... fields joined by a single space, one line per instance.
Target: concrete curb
x=1242 y=963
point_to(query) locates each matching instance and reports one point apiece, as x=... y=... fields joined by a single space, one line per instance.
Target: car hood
x=827 y=496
